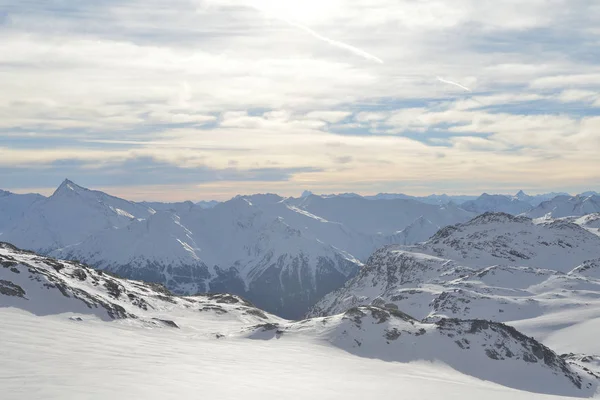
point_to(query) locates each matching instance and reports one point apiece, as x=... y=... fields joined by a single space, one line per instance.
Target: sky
x=206 y=99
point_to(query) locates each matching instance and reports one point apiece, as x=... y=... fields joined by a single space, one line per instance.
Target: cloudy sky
x=202 y=99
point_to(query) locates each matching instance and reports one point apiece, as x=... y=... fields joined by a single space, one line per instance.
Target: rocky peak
x=68 y=187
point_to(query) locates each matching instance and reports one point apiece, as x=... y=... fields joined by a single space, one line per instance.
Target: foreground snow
x=71 y=332
x=56 y=358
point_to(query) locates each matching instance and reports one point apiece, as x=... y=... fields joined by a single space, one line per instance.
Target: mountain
x=55 y=312
x=566 y=206
x=543 y=278
x=69 y=216
x=431 y=288
x=241 y=246
x=536 y=200
x=157 y=249
x=434 y=199
x=180 y=207
x=207 y=204
x=378 y=217
x=496 y=203
x=419 y=231
x=498 y=238
x=588 y=194
x=591 y=222
x=13 y=206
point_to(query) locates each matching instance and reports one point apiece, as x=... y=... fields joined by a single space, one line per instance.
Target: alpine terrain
x=125 y=330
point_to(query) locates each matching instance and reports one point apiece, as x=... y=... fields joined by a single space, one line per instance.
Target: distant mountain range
x=284 y=254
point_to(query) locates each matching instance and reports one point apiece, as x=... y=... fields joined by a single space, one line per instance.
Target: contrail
x=454 y=83
x=311 y=32
x=332 y=42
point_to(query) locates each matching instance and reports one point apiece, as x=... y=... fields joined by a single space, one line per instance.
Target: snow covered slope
x=13 y=206
x=70 y=331
x=99 y=361
x=46 y=286
x=69 y=216
x=566 y=206
x=591 y=222
x=157 y=249
x=496 y=203
x=483 y=349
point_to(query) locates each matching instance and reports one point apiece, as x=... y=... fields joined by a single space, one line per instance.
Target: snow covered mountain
x=274 y=251
x=440 y=200
x=536 y=200
x=101 y=318
x=498 y=238
x=13 y=206
x=242 y=246
x=496 y=203
x=591 y=222
x=69 y=216
x=543 y=279
x=566 y=206
x=379 y=217
x=282 y=254
x=430 y=288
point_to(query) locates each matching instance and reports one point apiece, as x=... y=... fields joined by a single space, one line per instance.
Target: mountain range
x=284 y=254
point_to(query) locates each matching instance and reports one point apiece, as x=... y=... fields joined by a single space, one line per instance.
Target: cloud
x=214 y=85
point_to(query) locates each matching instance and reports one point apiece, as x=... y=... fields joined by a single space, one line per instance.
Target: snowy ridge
x=69 y=216
x=498 y=238
x=13 y=206
x=379 y=217
x=46 y=286
x=496 y=203
x=567 y=206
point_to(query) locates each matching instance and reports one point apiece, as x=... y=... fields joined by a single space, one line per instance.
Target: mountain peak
x=491 y=217
x=68 y=186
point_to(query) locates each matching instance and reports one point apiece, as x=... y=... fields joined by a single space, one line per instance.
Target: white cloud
x=270 y=93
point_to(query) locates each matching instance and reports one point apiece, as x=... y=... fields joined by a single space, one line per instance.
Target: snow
x=496 y=203
x=567 y=206
x=69 y=216
x=12 y=207
x=56 y=347
x=497 y=238
x=94 y=360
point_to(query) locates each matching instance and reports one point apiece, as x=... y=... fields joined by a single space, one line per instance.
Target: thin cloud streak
x=453 y=83
x=332 y=42
x=335 y=43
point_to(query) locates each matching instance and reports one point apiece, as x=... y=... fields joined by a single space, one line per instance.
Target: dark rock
x=8 y=288
x=166 y=322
